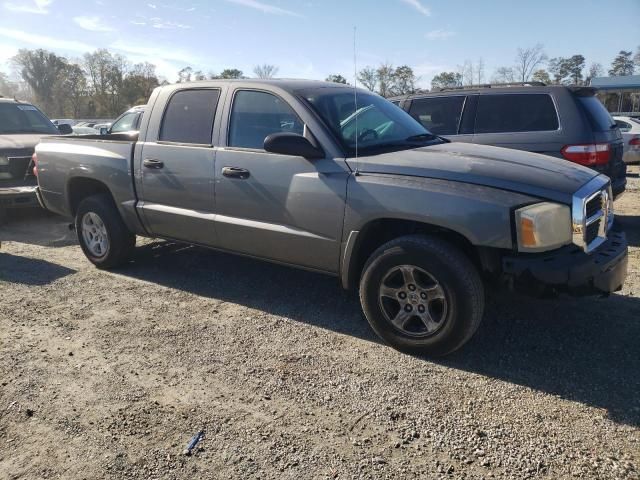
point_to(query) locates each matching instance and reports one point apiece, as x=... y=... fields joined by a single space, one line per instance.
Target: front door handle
x=236 y=172
x=153 y=163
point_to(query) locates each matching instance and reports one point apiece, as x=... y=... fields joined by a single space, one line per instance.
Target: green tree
x=368 y=77
x=41 y=70
x=72 y=90
x=139 y=83
x=106 y=74
x=336 y=79
x=541 y=76
x=446 y=80
x=622 y=64
x=405 y=80
x=231 y=73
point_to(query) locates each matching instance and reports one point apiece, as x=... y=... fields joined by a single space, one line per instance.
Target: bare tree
x=503 y=75
x=595 y=70
x=528 y=60
x=480 y=71
x=368 y=77
x=405 y=80
x=336 y=78
x=265 y=71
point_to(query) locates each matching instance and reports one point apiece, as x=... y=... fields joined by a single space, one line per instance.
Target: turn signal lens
x=543 y=226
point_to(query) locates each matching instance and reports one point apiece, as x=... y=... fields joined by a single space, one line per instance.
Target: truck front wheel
x=422 y=295
x=103 y=236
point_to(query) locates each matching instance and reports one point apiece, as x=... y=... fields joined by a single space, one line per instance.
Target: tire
x=101 y=214
x=447 y=289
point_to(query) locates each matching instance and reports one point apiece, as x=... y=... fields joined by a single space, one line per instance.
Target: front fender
x=480 y=214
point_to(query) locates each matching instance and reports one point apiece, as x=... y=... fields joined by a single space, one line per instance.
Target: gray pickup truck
x=328 y=178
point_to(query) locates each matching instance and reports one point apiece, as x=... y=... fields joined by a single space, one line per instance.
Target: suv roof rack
x=494 y=85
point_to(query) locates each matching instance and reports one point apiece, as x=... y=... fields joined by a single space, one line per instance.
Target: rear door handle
x=236 y=172
x=153 y=163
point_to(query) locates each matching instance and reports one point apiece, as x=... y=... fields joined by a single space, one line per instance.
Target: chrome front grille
x=592 y=213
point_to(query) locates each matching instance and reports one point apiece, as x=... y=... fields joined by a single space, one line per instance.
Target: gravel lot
x=108 y=375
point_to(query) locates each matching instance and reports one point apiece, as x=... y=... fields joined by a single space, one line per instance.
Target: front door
x=177 y=170
x=280 y=207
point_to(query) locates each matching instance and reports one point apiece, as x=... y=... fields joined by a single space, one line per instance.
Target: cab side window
x=189 y=117
x=256 y=115
x=126 y=123
x=439 y=115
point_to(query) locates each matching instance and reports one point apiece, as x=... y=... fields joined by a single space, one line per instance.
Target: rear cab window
x=514 y=112
x=439 y=115
x=599 y=118
x=189 y=117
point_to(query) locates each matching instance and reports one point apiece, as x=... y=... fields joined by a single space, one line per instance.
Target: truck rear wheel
x=103 y=236
x=422 y=295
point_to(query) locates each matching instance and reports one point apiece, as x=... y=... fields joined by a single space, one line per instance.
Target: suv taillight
x=587 y=154
x=635 y=142
x=34 y=159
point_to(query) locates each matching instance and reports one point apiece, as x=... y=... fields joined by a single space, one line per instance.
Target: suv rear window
x=527 y=112
x=439 y=115
x=189 y=117
x=597 y=114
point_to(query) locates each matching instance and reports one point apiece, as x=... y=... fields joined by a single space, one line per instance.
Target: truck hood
x=515 y=170
x=20 y=141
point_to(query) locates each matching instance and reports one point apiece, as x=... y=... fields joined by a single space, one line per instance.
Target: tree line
x=101 y=84
x=533 y=64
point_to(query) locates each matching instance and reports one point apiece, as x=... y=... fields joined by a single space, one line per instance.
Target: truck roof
x=283 y=83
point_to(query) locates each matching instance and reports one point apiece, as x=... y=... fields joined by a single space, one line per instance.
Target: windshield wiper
x=421 y=136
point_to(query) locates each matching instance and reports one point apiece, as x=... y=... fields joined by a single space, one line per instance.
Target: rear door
x=442 y=115
x=176 y=167
x=524 y=121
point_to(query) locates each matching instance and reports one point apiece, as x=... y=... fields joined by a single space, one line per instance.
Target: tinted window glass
x=23 y=118
x=256 y=115
x=599 y=117
x=189 y=117
x=623 y=125
x=440 y=115
x=126 y=123
x=516 y=113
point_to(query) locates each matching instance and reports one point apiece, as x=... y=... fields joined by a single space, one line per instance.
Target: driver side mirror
x=287 y=143
x=104 y=131
x=65 y=129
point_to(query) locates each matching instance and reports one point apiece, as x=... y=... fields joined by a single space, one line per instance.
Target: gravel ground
x=108 y=375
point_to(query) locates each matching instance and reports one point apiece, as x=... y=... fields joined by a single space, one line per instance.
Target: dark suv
x=564 y=122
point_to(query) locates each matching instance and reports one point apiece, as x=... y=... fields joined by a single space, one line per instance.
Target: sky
x=315 y=38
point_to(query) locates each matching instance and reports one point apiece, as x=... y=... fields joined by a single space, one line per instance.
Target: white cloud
x=265 y=7
x=40 y=7
x=41 y=41
x=164 y=53
x=93 y=24
x=418 y=6
x=152 y=5
x=439 y=34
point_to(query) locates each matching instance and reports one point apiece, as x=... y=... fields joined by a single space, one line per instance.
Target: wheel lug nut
x=421 y=308
x=412 y=287
x=423 y=295
x=408 y=308
x=402 y=295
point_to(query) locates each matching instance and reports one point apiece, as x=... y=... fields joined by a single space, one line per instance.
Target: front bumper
x=12 y=197
x=570 y=269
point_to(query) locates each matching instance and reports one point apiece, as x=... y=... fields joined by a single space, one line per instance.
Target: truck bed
x=102 y=161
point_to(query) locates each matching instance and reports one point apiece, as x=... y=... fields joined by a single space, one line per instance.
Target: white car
x=630 y=129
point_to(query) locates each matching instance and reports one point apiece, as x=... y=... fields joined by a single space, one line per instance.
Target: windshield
x=23 y=118
x=376 y=124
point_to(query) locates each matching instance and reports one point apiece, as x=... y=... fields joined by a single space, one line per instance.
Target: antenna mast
x=355 y=92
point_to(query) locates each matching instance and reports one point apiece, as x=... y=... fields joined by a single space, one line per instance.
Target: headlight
x=543 y=226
